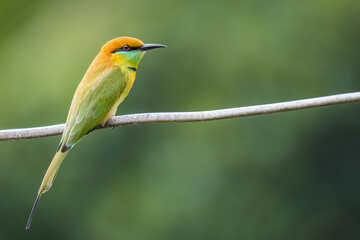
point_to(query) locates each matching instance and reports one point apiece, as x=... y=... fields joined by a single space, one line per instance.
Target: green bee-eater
x=104 y=86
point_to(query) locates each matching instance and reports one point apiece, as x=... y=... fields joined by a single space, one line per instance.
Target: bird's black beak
x=148 y=46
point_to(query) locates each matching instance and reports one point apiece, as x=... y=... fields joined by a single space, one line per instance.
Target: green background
x=292 y=175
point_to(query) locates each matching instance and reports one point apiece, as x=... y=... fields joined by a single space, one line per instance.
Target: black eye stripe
x=122 y=49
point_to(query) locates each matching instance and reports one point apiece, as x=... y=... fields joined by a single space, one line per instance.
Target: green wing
x=91 y=104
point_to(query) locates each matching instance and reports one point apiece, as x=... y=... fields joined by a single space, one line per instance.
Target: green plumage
x=91 y=105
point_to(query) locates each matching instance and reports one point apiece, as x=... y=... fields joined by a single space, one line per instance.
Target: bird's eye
x=123 y=48
x=126 y=48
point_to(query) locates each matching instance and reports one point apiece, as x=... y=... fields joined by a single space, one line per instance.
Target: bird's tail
x=47 y=181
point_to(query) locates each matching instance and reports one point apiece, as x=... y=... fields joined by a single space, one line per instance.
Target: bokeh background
x=292 y=175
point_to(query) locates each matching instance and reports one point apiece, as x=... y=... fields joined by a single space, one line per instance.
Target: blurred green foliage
x=292 y=175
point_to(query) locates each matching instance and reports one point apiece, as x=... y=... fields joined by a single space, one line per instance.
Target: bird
x=104 y=86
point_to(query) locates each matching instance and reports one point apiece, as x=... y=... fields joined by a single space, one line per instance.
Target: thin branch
x=37 y=132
